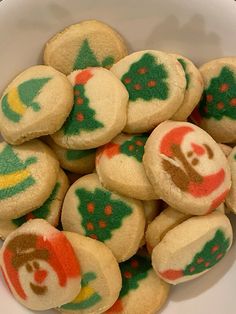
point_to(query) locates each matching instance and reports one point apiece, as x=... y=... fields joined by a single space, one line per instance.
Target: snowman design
x=191 y=162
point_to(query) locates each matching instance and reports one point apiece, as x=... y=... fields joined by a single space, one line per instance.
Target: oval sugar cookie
x=99 y=110
x=187 y=168
x=156 y=85
x=119 y=167
x=101 y=278
x=37 y=102
x=89 y=43
x=91 y=210
x=28 y=173
x=40 y=266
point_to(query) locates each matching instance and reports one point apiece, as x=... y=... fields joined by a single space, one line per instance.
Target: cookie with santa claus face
x=187 y=168
x=101 y=278
x=192 y=248
x=40 y=266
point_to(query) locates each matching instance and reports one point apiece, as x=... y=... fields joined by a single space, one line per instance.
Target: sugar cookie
x=194 y=88
x=216 y=112
x=89 y=43
x=50 y=210
x=142 y=290
x=91 y=210
x=99 y=111
x=28 y=173
x=119 y=167
x=231 y=197
x=37 y=102
x=156 y=85
x=101 y=278
x=187 y=168
x=40 y=266
x=192 y=248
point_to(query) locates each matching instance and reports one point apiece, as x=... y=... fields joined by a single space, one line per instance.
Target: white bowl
x=201 y=30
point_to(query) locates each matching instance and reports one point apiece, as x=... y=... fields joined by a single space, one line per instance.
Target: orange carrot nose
x=198 y=150
x=40 y=276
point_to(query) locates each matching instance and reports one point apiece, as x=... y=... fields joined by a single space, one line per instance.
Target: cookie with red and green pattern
x=50 y=210
x=101 y=278
x=119 y=166
x=99 y=112
x=186 y=167
x=192 y=248
x=89 y=43
x=216 y=112
x=91 y=210
x=75 y=161
x=37 y=102
x=194 y=88
x=142 y=290
x=231 y=198
x=156 y=85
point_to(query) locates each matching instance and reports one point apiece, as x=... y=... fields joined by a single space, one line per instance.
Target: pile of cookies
x=145 y=141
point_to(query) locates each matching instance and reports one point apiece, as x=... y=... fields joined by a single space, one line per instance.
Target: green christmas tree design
x=41 y=212
x=87 y=58
x=184 y=66
x=78 y=154
x=82 y=117
x=134 y=147
x=100 y=213
x=14 y=174
x=219 y=99
x=146 y=79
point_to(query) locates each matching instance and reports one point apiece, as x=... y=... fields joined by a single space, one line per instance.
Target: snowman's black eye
x=29 y=268
x=36 y=265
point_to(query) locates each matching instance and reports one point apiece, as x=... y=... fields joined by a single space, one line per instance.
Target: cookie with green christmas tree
x=99 y=112
x=92 y=210
x=142 y=290
x=101 y=278
x=156 y=85
x=90 y=43
x=192 y=248
x=28 y=174
x=216 y=112
x=50 y=210
x=194 y=88
x=75 y=161
x=37 y=102
x=119 y=166
x=231 y=197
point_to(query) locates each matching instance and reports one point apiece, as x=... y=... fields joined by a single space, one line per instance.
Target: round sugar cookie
x=76 y=161
x=157 y=229
x=231 y=197
x=99 y=112
x=101 y=278
x=194 y=88
x=192 y=248
x=216 y=112
x=91 y=210
x=50 y=210
x=156 y=85
x=37 y=102
x=142 y=290
x=119 y=167
x=40 y=266
x=28 y=173
x=226 y=149
x=187 y=168
x=89 y=43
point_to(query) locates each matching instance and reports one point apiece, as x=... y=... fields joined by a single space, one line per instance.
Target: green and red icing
x=134 y=147
x=146 y=79
x=185 y=176
x=82 y=116
x=187 y=75
x=132 y=271
x=41 y=212
x=29 y=247
x=100 y=213
x=78 y=154
x=87 y=58
x=212 y=252
x=219 y=98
